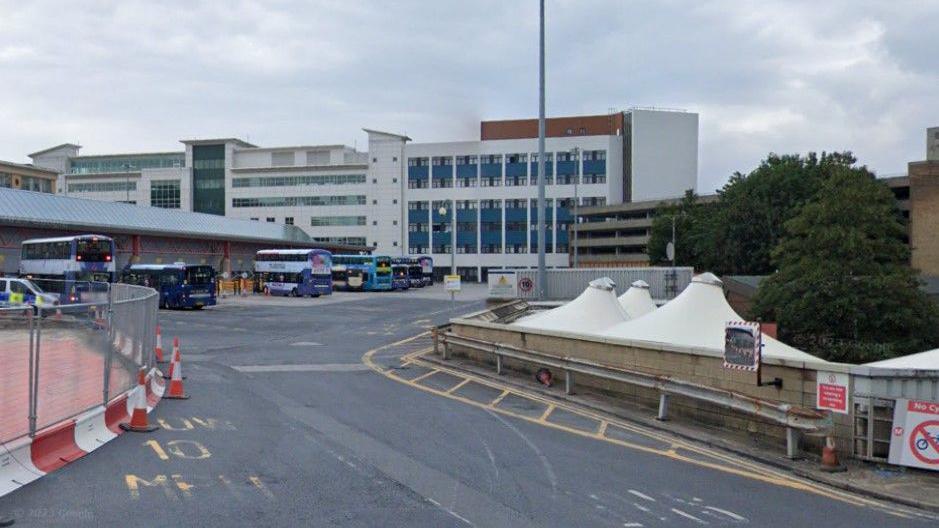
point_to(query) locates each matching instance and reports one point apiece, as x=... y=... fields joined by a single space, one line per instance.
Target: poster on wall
x=914 y=438
x=742 y=343
x=831 y=392
x=502 y=284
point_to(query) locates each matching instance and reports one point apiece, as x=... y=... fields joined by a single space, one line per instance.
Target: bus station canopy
x=637 y=301
x=593 y=310
x=928 y=360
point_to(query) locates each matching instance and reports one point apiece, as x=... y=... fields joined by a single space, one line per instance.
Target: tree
x=844 y=290
x=737 y=234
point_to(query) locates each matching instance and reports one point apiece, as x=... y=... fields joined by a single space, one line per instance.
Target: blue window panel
x=492 y=237
x=439 y=218
x=515 y=169
x=491 y=170
x=443 y=171
x=490 y=215
x=415 y=216
x=466 y=171
x=441 y=238
x=463 y=238
x=516 y=215
x=562 y=237
x=466 y=215
x=548 y=216
x=567 y=167
x=418 y=172
x=548 y=169
x=564 y=214
x=516 y=237
x=594 y=166
x=418 y=239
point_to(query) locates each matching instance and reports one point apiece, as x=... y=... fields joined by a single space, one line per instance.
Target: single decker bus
x=180 y=285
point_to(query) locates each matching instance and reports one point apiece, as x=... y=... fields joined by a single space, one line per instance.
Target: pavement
x=310 y=412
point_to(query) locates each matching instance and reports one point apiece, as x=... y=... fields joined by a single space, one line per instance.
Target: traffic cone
x=138 y=420
x=159 y=346
x=176 y=391
x=173 y=360
x=830 y=463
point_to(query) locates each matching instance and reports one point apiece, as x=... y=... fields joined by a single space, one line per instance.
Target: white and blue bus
x=427 y=268
x=72 y=263
x=415 y=273
x=296 y=272
x=362 y=272
x=180 y=285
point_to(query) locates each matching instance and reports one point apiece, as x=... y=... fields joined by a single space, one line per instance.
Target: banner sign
x=914 y=439
x=742 y=343
x=451 y=283
x=831 y=392
x=502 y=284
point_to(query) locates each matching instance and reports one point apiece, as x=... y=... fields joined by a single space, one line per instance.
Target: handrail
x=784 y=414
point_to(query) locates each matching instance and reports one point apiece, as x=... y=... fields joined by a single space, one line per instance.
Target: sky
x=764 y=76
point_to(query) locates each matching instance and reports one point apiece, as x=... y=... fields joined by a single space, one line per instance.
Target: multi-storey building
x=26 y=177
x=401 y=197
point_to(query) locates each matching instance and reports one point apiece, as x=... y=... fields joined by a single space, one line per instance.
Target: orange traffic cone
x=176 y=391
x=173 y=360
x=159 y=346
x=138 y=420
x=830 y=462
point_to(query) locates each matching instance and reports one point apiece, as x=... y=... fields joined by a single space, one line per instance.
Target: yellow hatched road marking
x=425 y=375
x=751 y=470
x=457 y=386
x=547 y=412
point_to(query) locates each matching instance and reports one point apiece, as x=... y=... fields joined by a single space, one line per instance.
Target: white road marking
x=549 y=471
x=632 y=525
x=306 y=343
x=688 y=516
x=316 y=367
x=730 y=514
x=641 y=495
x=640 y=507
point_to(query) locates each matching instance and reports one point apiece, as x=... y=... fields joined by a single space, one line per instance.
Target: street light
x=575 y=153
x=127 y=182
x=541 y=164
x=443 y=212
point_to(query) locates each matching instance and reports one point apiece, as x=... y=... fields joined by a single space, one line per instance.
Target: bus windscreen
x=93 y=250
x=199 y=274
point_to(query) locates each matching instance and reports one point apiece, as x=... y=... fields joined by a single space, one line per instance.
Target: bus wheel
x=294 y=293
x=315 y=295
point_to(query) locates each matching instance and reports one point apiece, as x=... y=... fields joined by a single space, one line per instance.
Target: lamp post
x=541 y=164
x=575 y=153
x=127 y=183
x=443 y=212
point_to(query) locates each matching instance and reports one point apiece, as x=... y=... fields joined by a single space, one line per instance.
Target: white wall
x=664 y=154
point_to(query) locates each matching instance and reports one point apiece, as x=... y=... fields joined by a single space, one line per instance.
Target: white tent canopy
x=593 y=310
x=696 y=318
x=928 y=360
x=637 y=301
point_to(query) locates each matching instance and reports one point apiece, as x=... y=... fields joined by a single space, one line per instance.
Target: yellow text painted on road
x=185 y=449
x=177 y=486
x=720 y=461
x=194 y=422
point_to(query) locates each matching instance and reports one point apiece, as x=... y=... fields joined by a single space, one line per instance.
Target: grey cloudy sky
x=782 y=76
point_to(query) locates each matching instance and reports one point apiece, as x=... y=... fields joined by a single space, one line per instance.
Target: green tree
x=844 y=290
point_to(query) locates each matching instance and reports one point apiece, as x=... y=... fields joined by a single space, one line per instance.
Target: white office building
x=400 y=195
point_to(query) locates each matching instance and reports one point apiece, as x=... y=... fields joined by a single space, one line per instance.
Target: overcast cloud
x=765 y=75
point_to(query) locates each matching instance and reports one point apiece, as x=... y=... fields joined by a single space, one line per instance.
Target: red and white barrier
x=26 y=459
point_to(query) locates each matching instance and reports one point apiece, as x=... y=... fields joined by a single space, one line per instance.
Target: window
x=351 y=241
x=395 y=160
x=374 y=222
x=374 y=181
x=317 y=221
x=282 y=159
x=295 y=201
x=294 y=181
x=110 y=186
x=374 y=160
x=374 y=202
x=394 y=222
x=288 y=220
x=594 y=155
x=418 y=206
x=256 y=219
x=394 y=201
x=165 y=194
x=271 y=219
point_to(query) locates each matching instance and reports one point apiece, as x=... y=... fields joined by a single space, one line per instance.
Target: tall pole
x=453 y=239
x=576 y=198
x=541 y=164
x=674 y=249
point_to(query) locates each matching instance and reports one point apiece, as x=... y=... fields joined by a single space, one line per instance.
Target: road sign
x=742 y=343
x=526 y=284
x=670 y=251
x=831 y=392
x=914 y=439
x=451 y=283
x=502 y=284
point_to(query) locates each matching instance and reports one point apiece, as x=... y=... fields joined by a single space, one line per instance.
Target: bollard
x=663 y=407
x=568 y=382
x=792 y=443
x=498 y=364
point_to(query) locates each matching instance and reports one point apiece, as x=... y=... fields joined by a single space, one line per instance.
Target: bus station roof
x=44 y=210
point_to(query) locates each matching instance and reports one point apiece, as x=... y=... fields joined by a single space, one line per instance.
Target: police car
x=16 y=292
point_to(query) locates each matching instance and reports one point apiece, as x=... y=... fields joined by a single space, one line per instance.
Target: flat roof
x=43 y=151
x=131 y=155
x=213 y=141
x=34 y=209
x=27 y=167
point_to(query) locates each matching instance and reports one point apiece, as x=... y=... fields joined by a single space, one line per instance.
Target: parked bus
x=180 y=285
x=362 y=272
x=415 y=273
x=295 y=272
x=427 y=268
x=72 y=263
x=399 y=277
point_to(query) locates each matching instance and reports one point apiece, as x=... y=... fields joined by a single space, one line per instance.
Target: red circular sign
x=525 y=284
x=921 y=442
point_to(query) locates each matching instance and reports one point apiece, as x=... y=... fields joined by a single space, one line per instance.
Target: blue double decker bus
x=362 y=272
x=295 y=272
x=69 y=266
x=180 y=285
x=415 y=274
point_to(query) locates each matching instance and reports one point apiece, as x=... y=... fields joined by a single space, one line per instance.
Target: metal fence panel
x=564 y=284
x=15 y=379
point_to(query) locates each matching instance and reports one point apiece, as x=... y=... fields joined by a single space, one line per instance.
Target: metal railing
x=795 y=419
x=63 y=360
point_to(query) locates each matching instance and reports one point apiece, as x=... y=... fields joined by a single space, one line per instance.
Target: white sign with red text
x=914 y=439
x=831 y=392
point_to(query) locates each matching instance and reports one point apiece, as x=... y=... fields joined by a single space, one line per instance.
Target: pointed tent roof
x=928 y=360
x=637 y=301
x=593 y=310
x=696 y=318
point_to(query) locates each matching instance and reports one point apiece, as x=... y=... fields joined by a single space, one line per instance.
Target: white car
x=15 y=291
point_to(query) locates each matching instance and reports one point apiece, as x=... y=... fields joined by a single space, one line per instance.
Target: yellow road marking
x=457 y=386
x=261 y=487
x=745 y=469
x=424 y=376
x=547 y=412
x=498 y=399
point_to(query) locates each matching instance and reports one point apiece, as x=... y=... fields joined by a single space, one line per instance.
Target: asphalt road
x=286 y=426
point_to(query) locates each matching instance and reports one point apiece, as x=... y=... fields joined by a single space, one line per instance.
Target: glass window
x=295 y=201
x=165 y=194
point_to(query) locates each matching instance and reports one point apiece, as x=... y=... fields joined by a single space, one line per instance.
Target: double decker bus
x=415 y=272
x=180 y=285
x=362 y=272
x=427 y=268
x=399 y=277
x=69 y=266
x=295 y=272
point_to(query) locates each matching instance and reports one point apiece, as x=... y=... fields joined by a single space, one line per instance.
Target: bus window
x=199 y=275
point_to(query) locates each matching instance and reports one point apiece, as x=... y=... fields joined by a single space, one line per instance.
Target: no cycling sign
x=914 y=439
